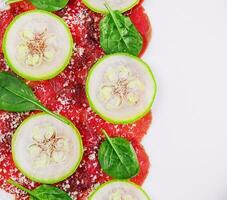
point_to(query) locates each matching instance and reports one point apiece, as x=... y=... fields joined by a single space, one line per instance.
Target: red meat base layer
x=65 y=94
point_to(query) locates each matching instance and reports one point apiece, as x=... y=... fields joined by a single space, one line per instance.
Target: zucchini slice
x=99 y=5
x=46 y=150
x=37 y=45
x=121 y=88
x=118 y=190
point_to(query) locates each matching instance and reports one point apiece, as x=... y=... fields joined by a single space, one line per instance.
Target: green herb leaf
x=118 y=34
x=117 y=158
x=47 y=192
x=16 y=96
x=49 y=5
x=43 y=192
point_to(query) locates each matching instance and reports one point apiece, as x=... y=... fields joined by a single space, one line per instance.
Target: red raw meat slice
x=47 y=91
x=70 y=98
x=20 y=7
x=87 y=176
x=66 y=95
x=84 y=25
x=59 y=83
x=8 y=123
x=3 y=66
x=44 y=91
x=144 y=163
x=134 y=131
x=76 y=114
x=84 y=57
x=6 y=17
x=90 y=137
x=82 y=22
x=76 y=94
x=3 y=123
x=142 y=23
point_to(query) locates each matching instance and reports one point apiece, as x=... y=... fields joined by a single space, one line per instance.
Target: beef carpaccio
x=65 y=94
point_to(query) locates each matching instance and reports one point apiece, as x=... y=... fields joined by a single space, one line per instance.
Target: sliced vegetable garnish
x=37 y=45
x=118 y=190
x=118 y=34
x=121 y=88
x=49 y=5
x=43 y=192
x=117 y=158
x=46 y=150
x=16 y=96
x=99 y=5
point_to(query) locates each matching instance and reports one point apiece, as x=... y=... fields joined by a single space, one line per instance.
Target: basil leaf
x=43 y=192
x=118 y=34
x=16 y=96
x=47 y=192
x=49 y=5
x=117 y=158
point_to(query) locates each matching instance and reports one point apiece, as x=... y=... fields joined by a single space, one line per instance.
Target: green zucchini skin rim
x=91 y=196
x=104 y=11
x=132 y=119
x=52 y=181
x=43 y=77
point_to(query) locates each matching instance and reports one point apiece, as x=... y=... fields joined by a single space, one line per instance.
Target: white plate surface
x=187 y=142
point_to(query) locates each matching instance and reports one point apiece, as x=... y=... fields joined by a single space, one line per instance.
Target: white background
x=187 y=142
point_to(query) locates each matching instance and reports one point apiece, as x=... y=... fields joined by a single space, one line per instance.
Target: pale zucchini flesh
x=121 y=88
x=121 y=5
x=37 y=45
x=118 y=190
x=45 y=149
